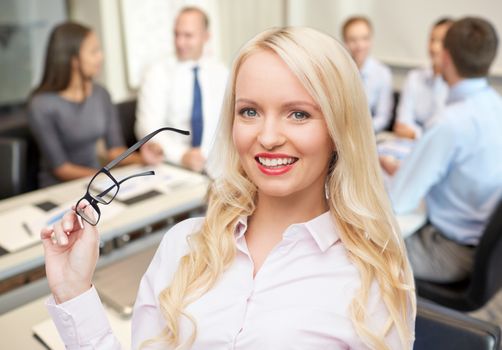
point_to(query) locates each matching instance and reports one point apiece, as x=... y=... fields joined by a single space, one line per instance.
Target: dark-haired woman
x=68 y=112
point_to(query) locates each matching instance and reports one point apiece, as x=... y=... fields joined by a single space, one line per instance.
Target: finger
x=46 y=236
x=46 y=233
x=69 y=221
x=60 y=234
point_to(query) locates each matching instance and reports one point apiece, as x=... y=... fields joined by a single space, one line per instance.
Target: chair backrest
x=127 y=116
x=13 y=166
x=15 y=125
x=438 y=327
x=486 y=277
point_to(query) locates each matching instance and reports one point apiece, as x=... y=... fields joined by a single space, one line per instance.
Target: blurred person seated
x=184 y=93
x=69 y=113
x=457 y=164
x=424 y=91
x=357 y=34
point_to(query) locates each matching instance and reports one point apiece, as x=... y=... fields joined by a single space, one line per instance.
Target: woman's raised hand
x=71 y=254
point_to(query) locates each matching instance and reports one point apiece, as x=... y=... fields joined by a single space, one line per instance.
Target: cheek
x=316 y=147
x=240 y=138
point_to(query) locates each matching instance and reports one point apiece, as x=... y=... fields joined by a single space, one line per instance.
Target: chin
x=275 y=190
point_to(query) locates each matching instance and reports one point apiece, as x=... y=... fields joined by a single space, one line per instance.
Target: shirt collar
x=465 y=88
x=201 y=62
x=241 y=226
x=321 y=228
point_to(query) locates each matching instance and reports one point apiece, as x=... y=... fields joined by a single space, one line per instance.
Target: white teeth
x=275 y=161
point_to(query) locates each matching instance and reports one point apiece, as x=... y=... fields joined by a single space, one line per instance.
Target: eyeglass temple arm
x=140 y=143
x=145 y=173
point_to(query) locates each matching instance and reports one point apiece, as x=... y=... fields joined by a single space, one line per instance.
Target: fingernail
x=66 y=226
x=63 y=240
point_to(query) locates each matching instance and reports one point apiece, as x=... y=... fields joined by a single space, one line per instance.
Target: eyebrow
x=285 y=105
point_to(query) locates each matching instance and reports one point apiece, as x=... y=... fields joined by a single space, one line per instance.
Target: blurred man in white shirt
x=184 y=93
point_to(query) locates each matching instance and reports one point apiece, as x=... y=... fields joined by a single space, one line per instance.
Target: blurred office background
x=134 y=33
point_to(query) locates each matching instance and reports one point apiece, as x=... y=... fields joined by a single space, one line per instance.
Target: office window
x=24 y=29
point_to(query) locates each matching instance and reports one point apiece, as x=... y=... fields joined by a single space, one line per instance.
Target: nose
x=271 y=135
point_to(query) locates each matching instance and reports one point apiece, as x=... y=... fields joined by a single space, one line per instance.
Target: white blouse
x=299 y=298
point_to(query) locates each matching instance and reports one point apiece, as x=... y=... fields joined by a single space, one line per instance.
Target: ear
x=448 y=64
x=207 y=36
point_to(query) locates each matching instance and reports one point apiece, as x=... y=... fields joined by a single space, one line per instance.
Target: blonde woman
x=299 y=248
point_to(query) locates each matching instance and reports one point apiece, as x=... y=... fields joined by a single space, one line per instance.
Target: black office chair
x=485 y=280
x=395 y=102
x=440 y=328
x=13 y=166
x=127 y=116
x=15 y=125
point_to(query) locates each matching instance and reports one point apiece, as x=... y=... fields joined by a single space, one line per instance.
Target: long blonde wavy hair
x=357 y=199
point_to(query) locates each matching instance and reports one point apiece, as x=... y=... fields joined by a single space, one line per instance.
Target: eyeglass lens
x=87 y=212
x=103 y=188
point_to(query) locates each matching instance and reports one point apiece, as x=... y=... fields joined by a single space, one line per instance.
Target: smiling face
x=279 y=131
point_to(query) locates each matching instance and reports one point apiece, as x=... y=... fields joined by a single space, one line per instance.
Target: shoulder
x=175 y=240
x=43 y=99
x=43 y=104
x=173 y=247
x=215 y=65
x=468 y=115
x=378 y=67
x=99 y=91
x=161 y=65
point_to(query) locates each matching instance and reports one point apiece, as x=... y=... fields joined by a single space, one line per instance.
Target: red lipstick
x=277 y=169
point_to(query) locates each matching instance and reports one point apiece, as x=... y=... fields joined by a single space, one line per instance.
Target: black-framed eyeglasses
x=103 y=187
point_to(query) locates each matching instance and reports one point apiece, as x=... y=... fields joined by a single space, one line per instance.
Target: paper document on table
x=16 y=232
x=177 y=178
x=47 y=332
x=21 y=226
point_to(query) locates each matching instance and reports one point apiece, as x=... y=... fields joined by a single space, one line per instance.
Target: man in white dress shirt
x=184 y=93
x=424 y=92
x=357 y=34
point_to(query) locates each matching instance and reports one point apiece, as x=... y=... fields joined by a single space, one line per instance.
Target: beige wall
x=238 y=20
x=104 y=17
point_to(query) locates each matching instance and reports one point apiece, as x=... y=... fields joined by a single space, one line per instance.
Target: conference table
x=150 y=203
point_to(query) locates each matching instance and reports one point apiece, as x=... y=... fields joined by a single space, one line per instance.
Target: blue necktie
x=197 y=123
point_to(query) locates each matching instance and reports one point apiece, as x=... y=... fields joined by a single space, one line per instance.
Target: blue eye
x=248 y=112
x=299 y=115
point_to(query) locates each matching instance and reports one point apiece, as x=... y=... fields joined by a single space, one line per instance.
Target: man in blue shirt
x=457 y=164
